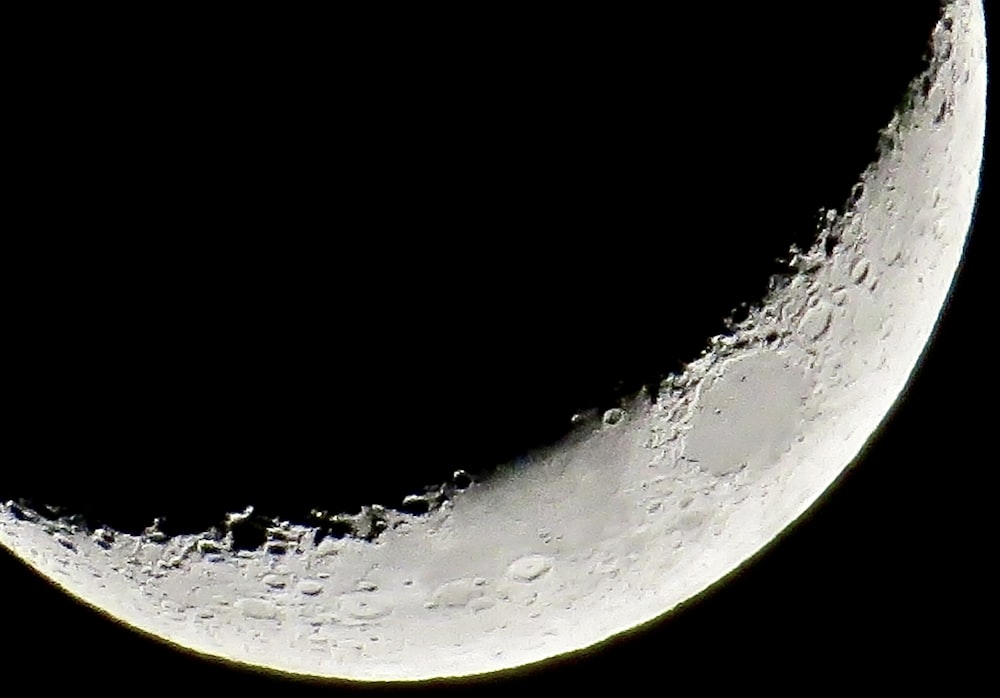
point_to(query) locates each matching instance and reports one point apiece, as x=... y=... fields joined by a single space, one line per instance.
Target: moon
x=677 y=494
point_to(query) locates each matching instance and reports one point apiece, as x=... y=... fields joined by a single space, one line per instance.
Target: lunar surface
x=641 y=508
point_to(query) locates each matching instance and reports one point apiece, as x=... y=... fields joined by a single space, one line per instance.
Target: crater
x=746 y=416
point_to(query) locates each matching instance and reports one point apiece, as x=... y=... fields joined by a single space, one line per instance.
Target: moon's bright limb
x=511 y=573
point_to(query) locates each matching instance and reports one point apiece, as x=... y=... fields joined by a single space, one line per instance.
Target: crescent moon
x=688 y=472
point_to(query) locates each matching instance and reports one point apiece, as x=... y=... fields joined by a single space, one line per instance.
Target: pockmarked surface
x=642 y=507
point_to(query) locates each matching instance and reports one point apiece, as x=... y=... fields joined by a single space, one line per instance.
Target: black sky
x=887 y=576
x=478 y=241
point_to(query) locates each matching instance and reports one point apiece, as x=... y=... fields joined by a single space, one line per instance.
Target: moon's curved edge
x=591 y=541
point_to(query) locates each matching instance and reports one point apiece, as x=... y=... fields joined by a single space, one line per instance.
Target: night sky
x=624 y=232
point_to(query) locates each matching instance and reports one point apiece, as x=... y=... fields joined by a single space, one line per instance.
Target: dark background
x=888 y=575
x=321 y=278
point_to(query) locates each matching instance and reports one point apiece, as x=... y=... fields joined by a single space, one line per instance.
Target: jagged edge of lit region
x=719 y=347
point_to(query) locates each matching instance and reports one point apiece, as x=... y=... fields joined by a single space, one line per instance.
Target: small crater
x=278 y=533
x=154 y=535
x=257 y=608
x=104 y=538
x=859 y=271
x=529 y=568
x=926 y=83
x=461 y=479
x=333 y=528
x=21 y=514
x=206 y=546
x=370 y=523
x=857 y=191
x=309 y=587
x=275 y=581
x=249 y=532
x=815 y=322
x=457 y=593
x=691 y=519
x=275 y=547
x=365 y=606
x=613 y=416
x=415 y=504
x=943 y=112
x=327 y=547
